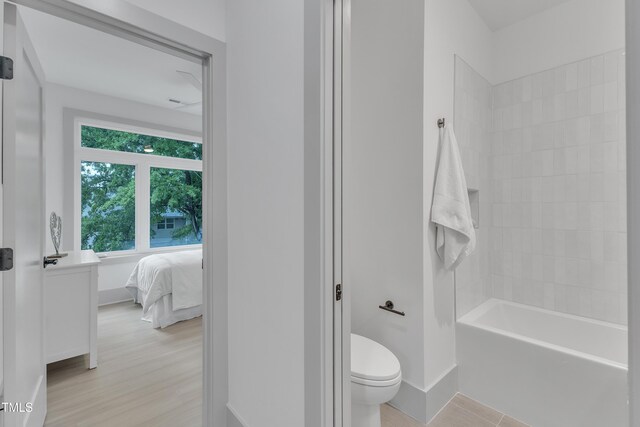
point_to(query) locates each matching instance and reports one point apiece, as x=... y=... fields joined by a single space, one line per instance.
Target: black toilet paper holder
x=388 y=306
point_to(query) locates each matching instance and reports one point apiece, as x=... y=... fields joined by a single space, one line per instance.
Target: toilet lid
x=372 y=361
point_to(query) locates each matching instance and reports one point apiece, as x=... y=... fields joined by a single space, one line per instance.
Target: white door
x=23 y=229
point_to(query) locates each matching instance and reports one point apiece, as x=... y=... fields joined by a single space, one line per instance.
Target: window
x=138 y=192
x=116 y=140
x=166 y=224
x=108 y=207
x=176 y=207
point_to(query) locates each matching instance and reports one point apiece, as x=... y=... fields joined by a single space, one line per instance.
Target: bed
x=168 y=286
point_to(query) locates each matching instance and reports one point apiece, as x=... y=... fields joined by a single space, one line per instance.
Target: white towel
x=451 y=212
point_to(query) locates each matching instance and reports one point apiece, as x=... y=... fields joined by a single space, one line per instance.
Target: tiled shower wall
x=472 y=122
x=557 y=231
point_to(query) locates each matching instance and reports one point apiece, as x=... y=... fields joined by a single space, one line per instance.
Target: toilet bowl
x=375 y=379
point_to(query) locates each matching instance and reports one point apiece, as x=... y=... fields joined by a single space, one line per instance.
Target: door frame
x=124 y=20
x=341 y=310
x=632 y=19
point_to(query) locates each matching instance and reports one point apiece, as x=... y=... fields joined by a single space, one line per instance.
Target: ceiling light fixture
x=148 y=149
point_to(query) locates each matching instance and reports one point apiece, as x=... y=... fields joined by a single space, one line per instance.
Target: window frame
x=143 y=164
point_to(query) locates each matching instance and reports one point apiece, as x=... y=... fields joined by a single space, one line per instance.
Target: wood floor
x=459 y=412
x=145 y=376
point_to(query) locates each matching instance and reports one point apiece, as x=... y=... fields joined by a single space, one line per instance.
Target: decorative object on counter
x=55 y=225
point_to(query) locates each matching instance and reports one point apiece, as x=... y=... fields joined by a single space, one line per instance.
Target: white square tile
x=571 y=104
x=571 y=271
x=597 y=246
x=597 y=216
x=547 y=162
x=610 y=126
x=596 y=184
x=548 y=268
x=571 y=183
x=548 y=83
x=583 y=160
x=571 y=243
x=610 y=187
x=548 y=213
x=559 y=105
x=527 y=88
x=548 y=109
x=536 y=218
x=611 y=66
x=584 y=272
x=611 y=247
x=571 y=77
x=570 y=216
x=559 y=188
x=584 y=189
x=610 y=216
x=597 y=158
x=584 y=216
x=571 y=159
x=583 y=130
x=536 y=86
x=597 y=99
x=584 y=101
x=597 y=275
x=536 y=111
x=559 y=243
x=611 y=96
x=559 y=162
x=549 y=296
x=584 y=244
x=597 y=70
x=610 y=156
x=584 y=73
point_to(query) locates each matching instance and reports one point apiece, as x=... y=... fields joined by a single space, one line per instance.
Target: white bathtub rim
x=470 y=319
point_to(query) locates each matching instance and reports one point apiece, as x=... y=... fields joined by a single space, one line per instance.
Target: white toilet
x=375 y=379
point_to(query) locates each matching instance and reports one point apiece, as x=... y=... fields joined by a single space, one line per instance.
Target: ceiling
x=499 y=14
x=81 y=57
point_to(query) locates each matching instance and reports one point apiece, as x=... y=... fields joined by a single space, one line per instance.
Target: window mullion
x=143 y=210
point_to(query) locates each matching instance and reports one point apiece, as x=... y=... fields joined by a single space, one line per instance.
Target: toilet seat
x=372 y=364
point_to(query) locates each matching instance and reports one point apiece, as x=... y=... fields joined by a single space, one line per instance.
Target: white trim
x=142 y=163
x=424 y=405
x=633 y=203
x=122 y=19
x=148 y=129
x=342 y=121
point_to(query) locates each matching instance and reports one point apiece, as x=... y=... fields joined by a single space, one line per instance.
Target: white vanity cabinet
x=71 y=307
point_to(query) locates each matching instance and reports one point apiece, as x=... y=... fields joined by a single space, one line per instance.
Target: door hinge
x=6 y=68
x=6 y=259
x=338 y=292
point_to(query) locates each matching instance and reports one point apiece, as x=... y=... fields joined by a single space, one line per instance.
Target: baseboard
x=113 y=296
x=441 y=392
x=423 y=405
x=233 y=419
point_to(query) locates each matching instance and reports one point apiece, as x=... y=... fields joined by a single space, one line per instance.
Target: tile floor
x=461 y=411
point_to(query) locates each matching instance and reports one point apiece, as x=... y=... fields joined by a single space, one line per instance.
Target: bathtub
x=544 y=368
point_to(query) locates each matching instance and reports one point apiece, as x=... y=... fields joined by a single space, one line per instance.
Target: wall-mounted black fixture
x=388 y=306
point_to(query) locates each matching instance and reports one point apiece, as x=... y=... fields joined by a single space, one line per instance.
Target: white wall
x=451 y=27
x=205 y=16
x=570 y=32
x=266 y=201
x=383 y=216
x=57 y=99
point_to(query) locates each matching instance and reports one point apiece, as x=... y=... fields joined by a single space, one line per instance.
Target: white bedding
x=178 y=274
